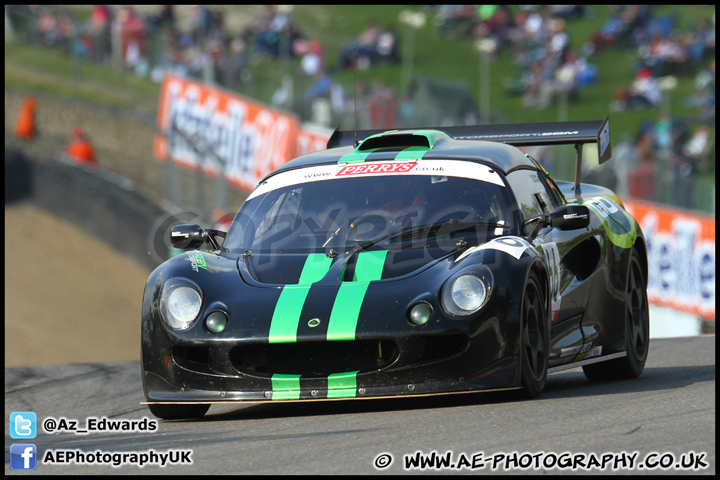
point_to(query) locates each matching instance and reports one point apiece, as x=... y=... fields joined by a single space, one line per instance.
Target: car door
x=568 y=290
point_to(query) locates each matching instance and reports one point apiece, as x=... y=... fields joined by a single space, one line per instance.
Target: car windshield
x=391 y=212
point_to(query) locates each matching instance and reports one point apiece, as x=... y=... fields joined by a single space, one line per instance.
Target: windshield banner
x=681 y=257
x=208 y=127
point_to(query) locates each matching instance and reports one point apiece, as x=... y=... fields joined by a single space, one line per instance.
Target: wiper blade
x=370 y=243
x=452 y=224
x=409 y=232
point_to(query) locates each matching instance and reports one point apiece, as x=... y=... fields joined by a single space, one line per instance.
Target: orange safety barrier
x=25 y=125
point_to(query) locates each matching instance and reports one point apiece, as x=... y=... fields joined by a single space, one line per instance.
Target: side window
x=551 y=187
x=283 y=214
x=531 y=193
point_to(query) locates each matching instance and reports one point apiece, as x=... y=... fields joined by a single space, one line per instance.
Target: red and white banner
x=681 y=257
x=249 y=138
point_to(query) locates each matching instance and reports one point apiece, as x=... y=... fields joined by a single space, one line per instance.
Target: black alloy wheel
x=637 y=330
x=534 y=338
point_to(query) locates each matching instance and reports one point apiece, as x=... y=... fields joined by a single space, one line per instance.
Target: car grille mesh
x=313 y=359
x=322 y=358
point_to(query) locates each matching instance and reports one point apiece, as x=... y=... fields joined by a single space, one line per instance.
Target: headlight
x=464 y=294
x=180 y=305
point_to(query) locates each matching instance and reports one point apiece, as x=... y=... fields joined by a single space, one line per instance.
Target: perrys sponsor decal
x=448 y=168
x=383 y=167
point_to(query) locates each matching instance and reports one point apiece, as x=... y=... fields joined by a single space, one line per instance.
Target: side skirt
x=568 y=366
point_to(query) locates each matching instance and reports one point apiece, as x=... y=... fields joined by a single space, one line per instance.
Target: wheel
x=179 y=411
x=637 y=330
x=535 y=339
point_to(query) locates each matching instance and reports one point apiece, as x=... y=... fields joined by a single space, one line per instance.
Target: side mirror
x=567 y=217
x=570 y=217
x=187 y=236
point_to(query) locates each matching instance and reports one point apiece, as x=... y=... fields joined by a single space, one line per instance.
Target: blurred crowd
x=661 y=161
x=550 y=68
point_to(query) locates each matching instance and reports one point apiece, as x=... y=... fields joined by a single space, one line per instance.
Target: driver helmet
x=401 y=197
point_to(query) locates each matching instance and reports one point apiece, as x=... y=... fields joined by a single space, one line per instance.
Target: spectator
x=548 y=84
x=216 y=54
x=318 y=98
x=320 y=86
x=81 y=150
x=642 y=179
x=237 y=63
x=494 y=22
x=201 y=22
x=313 y=59
x=274 y=32
x=382 y=104
x=558 y=39
x=698 y=149
x=387 y=46
x=361 y=52
x=257 y=28
x=47 y=26
x=164 y=18
x=620 y=29
x=66 y=30
x=98 y=31
x=131 y=28
x=454 y=20
x=643 y=93
x=668 y=55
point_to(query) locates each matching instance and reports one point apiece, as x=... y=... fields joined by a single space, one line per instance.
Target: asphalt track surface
x=668 y=414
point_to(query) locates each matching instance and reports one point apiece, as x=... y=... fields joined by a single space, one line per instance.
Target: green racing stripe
x=340 y=385
x=343 y=317
x=355 y=157
x=346 y=309
x=284 y=323
x=285 y=387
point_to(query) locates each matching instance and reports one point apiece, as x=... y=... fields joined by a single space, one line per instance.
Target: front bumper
x=320 y=370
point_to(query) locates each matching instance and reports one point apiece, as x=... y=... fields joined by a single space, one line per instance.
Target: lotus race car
x=401 y=263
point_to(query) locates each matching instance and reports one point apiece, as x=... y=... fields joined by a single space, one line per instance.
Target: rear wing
x=519 y=135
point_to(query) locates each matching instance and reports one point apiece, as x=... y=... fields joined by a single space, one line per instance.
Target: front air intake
x=394 y=142
x=313 y=359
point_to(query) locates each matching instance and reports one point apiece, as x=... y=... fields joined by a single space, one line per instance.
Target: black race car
x=401 y=263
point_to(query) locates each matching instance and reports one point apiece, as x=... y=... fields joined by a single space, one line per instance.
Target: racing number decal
x=620 y=227
x=512 y=246
x=552 y=257
x=604 y=206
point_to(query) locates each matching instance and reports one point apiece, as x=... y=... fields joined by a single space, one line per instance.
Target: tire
x=179 y=411
x=637 y=330
x=534 y=339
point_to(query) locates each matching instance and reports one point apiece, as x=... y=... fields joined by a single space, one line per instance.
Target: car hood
x=317 y=268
